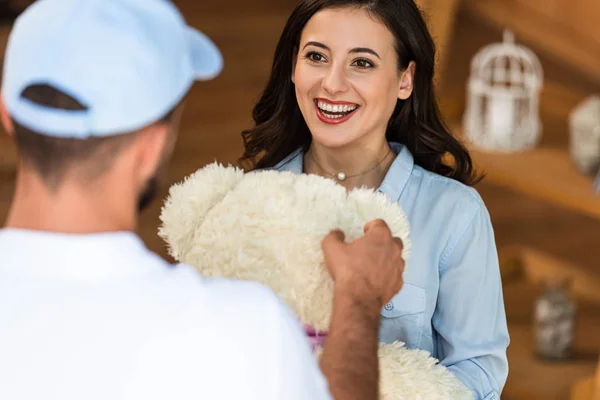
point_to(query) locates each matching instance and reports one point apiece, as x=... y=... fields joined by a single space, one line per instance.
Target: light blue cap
x=128 y=61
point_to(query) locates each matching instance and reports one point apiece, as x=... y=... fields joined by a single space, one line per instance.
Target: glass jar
x=584 y=135
x=554 y=321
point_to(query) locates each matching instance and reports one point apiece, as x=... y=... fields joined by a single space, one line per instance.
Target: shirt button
x=389 y=306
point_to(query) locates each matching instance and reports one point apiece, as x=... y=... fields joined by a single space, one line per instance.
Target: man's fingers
x=333 y=238
x=332 y=246
x=399 y=242
x=376 y=224
x=378 y=229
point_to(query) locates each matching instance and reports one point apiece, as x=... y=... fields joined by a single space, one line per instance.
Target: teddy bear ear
x=369 y=205
x=189 y=202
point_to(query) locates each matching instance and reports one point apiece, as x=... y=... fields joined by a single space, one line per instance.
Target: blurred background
x=544 y=209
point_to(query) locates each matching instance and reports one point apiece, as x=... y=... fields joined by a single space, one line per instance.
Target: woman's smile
x=334 y=112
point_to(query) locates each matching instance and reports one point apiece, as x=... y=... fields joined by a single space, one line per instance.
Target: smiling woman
x=348 y=59
x=351 y=97
x=379 y=48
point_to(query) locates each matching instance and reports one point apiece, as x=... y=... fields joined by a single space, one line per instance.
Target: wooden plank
x=545 y=172
x=440 y=16
x=587 y=388
x=582 y=390
x=549 y=31
x=596 y=384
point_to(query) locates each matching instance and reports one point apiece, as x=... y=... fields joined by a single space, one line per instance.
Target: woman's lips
x=334 y=112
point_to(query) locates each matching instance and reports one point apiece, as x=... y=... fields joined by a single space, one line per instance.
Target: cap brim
x=206 y=57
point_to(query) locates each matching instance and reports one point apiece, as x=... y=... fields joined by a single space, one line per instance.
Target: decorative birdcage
x=502 y=110
x=584 y=135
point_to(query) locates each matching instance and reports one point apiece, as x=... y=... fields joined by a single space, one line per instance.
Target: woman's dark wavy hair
x=416 y=122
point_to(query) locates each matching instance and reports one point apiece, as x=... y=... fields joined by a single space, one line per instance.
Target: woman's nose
x=335 y=81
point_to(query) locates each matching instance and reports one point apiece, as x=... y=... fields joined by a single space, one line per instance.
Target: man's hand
x=370 y=267
x=367 y=274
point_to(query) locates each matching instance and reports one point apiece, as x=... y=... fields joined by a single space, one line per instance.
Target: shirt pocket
x=402 y=317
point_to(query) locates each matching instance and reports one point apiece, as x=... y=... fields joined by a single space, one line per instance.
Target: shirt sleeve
x=296 y=368
x=470 y=319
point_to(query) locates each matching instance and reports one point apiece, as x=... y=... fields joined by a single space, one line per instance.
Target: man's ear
x=151 y=145
x=5 y=118
x=155 y=144
x=406 y=81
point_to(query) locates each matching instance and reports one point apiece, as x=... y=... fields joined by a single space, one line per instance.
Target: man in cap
x=92 y=93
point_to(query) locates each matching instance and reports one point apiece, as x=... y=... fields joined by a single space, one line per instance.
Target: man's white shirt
x=101 y=317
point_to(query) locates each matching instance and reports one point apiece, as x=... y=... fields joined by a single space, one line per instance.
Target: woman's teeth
x=335 y=110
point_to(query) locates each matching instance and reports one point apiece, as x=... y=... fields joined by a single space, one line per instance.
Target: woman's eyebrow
x=354 y=50
x=365 y=50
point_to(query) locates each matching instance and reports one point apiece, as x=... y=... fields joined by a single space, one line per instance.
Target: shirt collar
x=393 y=183
x=292 y=163
x=399 y=173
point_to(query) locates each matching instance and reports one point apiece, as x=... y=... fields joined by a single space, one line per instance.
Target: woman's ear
x=407 y=81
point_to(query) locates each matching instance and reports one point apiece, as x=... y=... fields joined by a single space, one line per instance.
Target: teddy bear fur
x=267 y=226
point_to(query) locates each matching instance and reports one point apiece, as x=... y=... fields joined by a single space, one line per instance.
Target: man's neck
x=72 y=208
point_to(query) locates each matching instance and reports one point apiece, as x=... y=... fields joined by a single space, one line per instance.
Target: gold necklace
x=341 y=176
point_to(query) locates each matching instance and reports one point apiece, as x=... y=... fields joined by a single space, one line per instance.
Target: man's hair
x=52 y=157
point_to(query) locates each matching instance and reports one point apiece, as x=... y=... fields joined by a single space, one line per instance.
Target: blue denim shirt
x=451 y=303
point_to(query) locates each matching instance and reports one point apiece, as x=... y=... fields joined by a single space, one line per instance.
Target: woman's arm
x=470 y=321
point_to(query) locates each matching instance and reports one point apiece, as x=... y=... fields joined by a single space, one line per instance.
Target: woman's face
x=346 y=77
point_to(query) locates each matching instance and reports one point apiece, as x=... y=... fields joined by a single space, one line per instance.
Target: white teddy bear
x=267 y=226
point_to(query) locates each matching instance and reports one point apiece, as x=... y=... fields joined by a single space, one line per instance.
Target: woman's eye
x=362 y=63
x=312 y=56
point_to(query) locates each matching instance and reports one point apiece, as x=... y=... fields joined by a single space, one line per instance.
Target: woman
x=351 y=97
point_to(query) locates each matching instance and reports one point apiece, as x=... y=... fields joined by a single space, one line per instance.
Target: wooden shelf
x=529 y=377
x=523 y=263
x=440 y=16
x=545 y=172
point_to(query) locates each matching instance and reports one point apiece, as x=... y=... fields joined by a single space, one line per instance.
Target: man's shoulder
x=227 y=295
